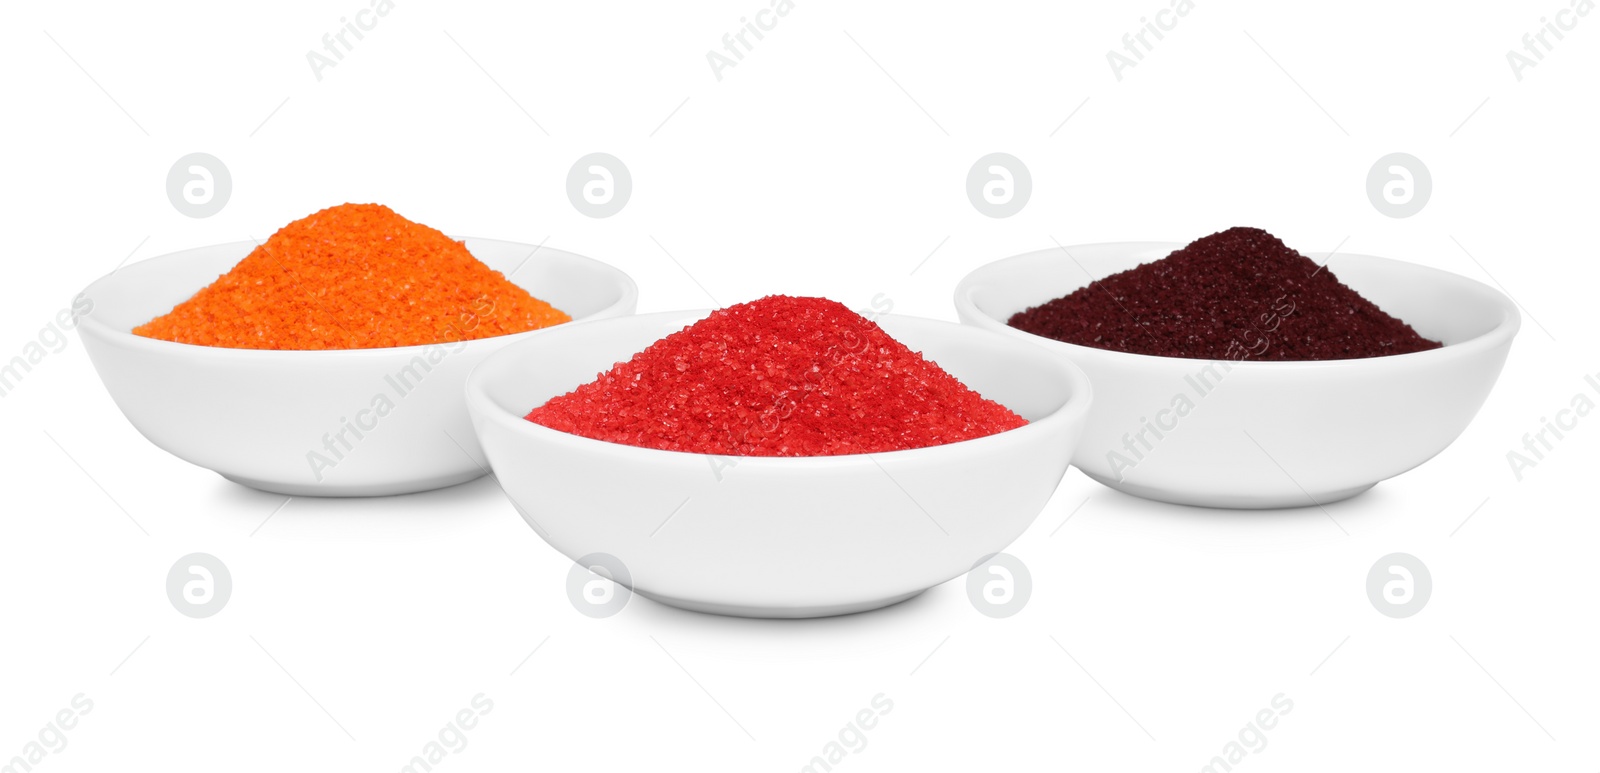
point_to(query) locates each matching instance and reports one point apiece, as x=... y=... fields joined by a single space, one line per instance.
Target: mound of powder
x=779 y=376
x=1236 y=295
x=354 y=276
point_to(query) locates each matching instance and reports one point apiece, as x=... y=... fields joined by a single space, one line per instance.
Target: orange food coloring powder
x=354 y=276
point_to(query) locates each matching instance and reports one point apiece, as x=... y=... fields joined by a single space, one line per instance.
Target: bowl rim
x=1501 y=333
x=628 y=298
x=1074 y=409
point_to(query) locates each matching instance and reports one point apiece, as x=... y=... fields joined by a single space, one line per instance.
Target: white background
x=805 y=170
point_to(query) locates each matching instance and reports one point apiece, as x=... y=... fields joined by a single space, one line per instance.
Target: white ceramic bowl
x=262 y=418
x=779 y=537
x=1265 y=434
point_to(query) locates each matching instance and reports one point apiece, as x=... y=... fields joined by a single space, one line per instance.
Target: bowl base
x=357 y=490
x=739 y=610
x=1233 y=501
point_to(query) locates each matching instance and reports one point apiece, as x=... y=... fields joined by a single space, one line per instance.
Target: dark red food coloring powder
x=1236 y=295
x=780 y=376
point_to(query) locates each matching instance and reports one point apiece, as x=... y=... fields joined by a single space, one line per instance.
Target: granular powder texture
x=780 y=376
x=1236 y=295
x=355 y=276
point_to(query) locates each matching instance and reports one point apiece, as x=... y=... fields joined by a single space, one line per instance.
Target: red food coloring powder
x=1235 y=295
x=779 y=376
